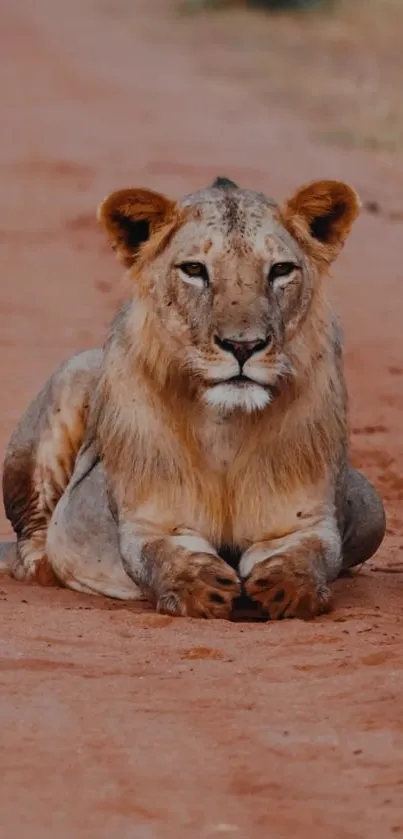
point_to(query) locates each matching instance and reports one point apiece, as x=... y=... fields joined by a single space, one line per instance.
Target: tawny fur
x=185 y=466
x=40 y=459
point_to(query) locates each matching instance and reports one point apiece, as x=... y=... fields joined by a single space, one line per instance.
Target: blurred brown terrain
x=116 y=721
x=340 y=64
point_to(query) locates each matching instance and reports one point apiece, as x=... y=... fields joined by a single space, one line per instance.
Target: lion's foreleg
x=289 y=577
x=180 y=572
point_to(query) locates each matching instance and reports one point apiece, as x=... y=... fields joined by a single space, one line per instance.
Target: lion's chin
x=228 y=396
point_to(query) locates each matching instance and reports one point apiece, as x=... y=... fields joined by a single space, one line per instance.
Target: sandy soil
x=116 y=721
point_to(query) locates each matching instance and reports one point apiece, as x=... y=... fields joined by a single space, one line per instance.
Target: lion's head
x=226 y=279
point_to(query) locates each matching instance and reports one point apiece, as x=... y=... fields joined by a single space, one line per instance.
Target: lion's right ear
x=320 y=216
x=131 y=216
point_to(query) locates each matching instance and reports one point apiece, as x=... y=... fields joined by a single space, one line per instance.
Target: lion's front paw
x=287 y=588
x=203 y=586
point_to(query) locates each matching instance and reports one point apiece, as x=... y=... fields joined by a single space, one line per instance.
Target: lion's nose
x=242 y=350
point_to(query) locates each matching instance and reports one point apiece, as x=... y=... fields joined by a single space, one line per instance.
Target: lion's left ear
x=131 y=217
x=320 y=216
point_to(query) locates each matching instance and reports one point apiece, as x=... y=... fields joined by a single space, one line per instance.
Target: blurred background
x=338 y=60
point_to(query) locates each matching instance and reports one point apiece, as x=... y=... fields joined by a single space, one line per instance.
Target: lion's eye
x=195 y=272
x=281 y=269
x=194 y=269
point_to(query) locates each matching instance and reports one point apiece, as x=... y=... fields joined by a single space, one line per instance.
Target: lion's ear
x=131 y=216
x=320 y=217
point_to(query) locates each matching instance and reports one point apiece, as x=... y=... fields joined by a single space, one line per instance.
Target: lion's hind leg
x=364 y=520
x=82 y=541
x=40 y=459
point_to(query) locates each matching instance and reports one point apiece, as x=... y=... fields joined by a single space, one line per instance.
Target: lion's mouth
x=240 y=381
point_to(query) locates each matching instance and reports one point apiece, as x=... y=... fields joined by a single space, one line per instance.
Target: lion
x=200 y=458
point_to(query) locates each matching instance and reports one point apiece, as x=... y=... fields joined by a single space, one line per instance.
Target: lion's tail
x=8 y=556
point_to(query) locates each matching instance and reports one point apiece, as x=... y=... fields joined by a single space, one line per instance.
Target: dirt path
x=121 y=723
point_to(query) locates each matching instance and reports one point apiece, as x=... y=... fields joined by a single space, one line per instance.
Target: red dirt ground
x=116 y=721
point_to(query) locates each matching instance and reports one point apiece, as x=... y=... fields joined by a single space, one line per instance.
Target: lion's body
x=141 y=466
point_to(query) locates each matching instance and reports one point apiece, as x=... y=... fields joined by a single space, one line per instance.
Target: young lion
x=203 y=453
